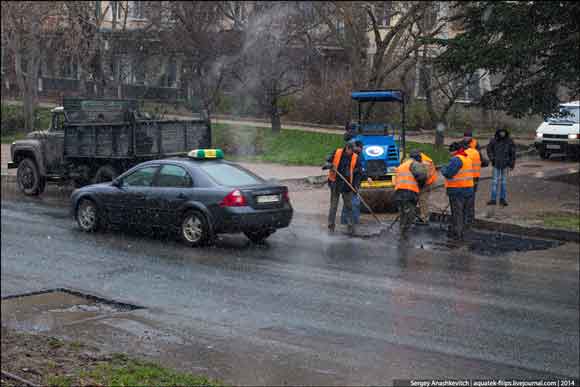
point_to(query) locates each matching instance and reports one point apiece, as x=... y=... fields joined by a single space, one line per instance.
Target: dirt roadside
x=48 y=361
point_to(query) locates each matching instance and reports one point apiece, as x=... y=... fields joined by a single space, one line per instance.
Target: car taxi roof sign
x=201 y=154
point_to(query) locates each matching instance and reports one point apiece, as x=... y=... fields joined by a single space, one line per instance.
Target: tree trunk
x=440 y=134
x=275 y=119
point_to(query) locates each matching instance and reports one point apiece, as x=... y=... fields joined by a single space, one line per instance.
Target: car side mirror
x=117 y=183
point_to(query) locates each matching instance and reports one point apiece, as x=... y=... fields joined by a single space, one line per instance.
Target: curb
x=515 y=229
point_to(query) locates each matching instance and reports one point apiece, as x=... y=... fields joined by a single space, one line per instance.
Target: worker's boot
x=331 y=228
x=503 y=202
x=351 y=230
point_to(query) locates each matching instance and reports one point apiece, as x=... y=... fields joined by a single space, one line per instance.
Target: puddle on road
x=45 y=311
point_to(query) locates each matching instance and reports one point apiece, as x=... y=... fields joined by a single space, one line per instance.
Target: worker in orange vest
x=426 y=191
x=347 y=163
x=459 y=184
x=410 y=177
x=477 y=161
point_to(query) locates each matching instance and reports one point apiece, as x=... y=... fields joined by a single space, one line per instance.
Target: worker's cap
x=415 y=154
x=454 y=147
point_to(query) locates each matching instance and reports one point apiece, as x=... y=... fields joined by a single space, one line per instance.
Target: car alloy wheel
x=194 y=229
x=87 y=216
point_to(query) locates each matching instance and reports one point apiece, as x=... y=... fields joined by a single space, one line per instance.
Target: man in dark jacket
x=358 y=147
x=501 y=151
x=347 y=163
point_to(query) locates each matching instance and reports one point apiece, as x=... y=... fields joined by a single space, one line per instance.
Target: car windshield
x=230 y=175
x=566 y=114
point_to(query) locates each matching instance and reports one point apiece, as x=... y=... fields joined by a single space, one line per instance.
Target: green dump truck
x=94 y=140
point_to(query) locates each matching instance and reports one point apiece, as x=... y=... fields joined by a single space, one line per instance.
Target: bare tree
x=275 y=51
x=395 y=36
x=30 y=29
x=198 y=34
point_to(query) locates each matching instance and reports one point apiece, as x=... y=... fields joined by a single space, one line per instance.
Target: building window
x=136 y=9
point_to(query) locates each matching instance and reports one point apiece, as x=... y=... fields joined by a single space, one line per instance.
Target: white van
x=560 y=132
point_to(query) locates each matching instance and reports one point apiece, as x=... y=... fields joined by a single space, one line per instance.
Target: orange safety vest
x=464 y=177
x=432 y=177
x=475 y=158
x=404 y=179
x=336 y=162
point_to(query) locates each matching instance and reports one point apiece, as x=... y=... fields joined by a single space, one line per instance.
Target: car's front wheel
x=87 y=215
x=258 y=236
x=194 y=229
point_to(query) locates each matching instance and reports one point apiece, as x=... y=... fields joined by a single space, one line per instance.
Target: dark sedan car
x=196 y=196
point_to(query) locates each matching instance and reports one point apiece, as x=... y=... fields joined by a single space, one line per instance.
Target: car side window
x=141 y=178
x=173 y=176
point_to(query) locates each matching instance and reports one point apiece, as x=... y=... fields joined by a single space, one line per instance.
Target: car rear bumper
x=239 y=219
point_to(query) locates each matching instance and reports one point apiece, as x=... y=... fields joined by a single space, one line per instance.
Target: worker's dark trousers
x=407 y=214
x=346 y=202
x=459 y=208
x=470 y=214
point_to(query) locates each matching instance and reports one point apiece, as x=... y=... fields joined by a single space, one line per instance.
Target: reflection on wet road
x=313 y=308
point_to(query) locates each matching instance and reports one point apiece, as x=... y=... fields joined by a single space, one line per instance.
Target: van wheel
x=194 y=230
x=28 y=178
x=105 y=173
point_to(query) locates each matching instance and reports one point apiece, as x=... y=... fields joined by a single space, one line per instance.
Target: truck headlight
x=573 y=136
x=539 y=135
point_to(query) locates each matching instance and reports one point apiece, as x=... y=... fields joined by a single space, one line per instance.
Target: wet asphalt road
x=308 y=307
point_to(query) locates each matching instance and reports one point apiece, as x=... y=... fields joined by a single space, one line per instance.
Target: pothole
x=46 y=310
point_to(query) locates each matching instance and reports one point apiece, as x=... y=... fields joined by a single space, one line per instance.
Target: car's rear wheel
x=258 y=236
x=28 y=178
x=194 y=229
x=87 y=215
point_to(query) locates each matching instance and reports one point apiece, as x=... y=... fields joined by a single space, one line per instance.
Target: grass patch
x=12 y=122
x=10 y=138
x=291 y=147
x=563 y=221
x=122 y=371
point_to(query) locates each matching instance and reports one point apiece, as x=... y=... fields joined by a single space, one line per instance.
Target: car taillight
x=285 y=196
x=234 y=199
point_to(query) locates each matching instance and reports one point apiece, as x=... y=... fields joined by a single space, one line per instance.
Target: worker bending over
x=410 y=177
x=425 y=192
x=346 y=162
x=459 y=184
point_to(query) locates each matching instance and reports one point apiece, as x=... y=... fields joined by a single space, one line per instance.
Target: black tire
x=194 y=229
x=258 y=237
x=28 y=178
x=105 y=174
x=87 y=216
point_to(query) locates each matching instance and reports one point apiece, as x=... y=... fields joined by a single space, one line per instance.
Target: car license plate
x=552 y=146
x=268 y=199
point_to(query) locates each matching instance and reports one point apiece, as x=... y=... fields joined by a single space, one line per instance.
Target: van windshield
x=566 y=114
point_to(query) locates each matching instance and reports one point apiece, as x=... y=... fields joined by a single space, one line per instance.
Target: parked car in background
x=198 y=196
x=560 y=132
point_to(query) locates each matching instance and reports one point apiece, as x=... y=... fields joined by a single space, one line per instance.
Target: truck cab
x=560 y=132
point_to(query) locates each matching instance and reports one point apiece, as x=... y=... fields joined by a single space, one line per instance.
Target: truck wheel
x=28 y=178
x=105 y=173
